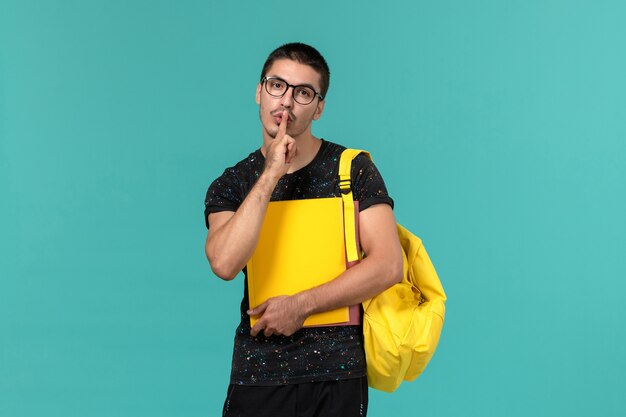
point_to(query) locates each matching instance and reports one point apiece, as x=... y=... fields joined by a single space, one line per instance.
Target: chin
x=271 y=132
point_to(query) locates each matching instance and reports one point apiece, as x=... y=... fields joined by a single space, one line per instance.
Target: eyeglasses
x=302 y=94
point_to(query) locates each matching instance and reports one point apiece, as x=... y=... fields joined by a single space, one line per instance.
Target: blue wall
x=498 y=126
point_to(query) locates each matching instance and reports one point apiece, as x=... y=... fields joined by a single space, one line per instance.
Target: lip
x=278 y=117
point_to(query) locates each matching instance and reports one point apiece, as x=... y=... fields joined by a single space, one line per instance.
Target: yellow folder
x=301 y=246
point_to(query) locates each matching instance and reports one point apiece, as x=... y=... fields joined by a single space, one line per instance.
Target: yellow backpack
x=402 y=325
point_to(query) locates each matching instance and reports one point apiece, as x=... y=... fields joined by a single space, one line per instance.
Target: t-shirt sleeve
x=224 y=194
x=367 y=184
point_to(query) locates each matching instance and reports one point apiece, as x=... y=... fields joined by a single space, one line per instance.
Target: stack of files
x=301 y=246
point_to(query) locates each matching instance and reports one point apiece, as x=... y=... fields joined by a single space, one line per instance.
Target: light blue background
x=499 y=127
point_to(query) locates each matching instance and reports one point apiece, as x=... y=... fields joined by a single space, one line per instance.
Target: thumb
x=258 y=310
x=292 y=151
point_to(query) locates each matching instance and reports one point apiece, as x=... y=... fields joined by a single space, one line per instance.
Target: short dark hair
x=304 y=54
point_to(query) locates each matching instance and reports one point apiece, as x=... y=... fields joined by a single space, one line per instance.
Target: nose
x=286 y=100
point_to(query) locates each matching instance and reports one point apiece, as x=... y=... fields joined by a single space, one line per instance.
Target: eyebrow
x=297 y=85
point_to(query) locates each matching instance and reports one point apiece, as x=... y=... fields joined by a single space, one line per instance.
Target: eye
x=304 y=92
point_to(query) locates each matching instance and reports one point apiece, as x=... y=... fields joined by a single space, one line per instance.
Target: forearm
x=230 y=246
x=286 y=314
x=380 y=269
x=361 y=282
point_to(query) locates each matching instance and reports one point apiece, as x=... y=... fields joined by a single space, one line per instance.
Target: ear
x=319 y=109
x=258 y=94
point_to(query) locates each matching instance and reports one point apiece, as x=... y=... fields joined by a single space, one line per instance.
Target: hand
x=281 y=151
x=282 y=315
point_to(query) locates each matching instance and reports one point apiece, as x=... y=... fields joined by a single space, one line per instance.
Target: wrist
x=267 y=182
x=270 y=178
x=306 y=302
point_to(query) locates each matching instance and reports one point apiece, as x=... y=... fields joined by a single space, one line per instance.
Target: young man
x=278 y=367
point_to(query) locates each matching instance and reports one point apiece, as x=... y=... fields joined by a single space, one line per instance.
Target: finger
x=282 y=127
x=258 y=326
x=268 y=332
x=292 y=151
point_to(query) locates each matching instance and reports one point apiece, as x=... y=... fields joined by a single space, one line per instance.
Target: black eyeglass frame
x=264 y=80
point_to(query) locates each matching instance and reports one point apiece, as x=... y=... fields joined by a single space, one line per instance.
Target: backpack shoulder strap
x=345 y=165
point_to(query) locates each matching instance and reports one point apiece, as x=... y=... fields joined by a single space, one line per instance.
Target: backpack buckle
x=344 y=185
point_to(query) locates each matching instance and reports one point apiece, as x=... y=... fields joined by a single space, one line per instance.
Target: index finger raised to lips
x=282 y=127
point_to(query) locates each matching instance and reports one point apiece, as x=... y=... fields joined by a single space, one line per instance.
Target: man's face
x=271 y=108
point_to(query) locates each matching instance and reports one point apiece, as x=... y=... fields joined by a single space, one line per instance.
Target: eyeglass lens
x=277 y=88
